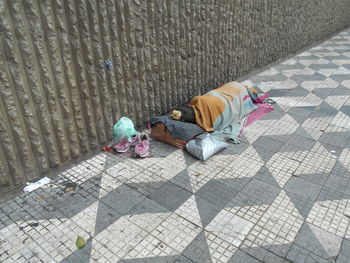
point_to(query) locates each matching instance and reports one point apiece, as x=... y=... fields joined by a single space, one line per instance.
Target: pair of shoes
x=141 y=142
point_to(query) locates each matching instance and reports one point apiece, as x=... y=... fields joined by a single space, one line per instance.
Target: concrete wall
x=57 y=99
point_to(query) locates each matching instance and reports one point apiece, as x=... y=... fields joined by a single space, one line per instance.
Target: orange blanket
x=223 y=109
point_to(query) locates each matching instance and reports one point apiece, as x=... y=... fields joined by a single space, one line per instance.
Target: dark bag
x=187 y=113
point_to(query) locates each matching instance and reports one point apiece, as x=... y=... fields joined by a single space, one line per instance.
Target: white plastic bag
x=205 y=146
x=32 y=186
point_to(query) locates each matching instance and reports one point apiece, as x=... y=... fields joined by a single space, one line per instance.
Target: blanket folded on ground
x=223 y=110
x=178 y=129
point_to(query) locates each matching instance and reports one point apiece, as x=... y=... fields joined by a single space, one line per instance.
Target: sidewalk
x=282 y=195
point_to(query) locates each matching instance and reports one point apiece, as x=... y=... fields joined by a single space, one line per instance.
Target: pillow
x=204 y=146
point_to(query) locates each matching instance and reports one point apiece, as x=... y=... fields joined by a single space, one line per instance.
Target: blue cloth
x=179 y=129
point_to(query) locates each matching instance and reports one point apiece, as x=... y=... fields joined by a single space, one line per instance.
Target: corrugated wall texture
x=58 y=100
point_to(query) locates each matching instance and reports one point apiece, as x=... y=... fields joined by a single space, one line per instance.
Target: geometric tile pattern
x=281 y=195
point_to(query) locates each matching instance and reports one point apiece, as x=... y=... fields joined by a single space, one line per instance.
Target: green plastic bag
x=124 y=128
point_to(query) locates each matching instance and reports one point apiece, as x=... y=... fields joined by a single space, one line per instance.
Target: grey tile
x=147 y=206
x=341 y=170
x=207 y=210
x=261 y=191
x=274 y=115
x=265 y=154
x=340 y=91
x=198 y=249
x=346 y=65
x=80 y=255
x=147 y=214
x=338 y=139
x=318 y=241
x=309 y=108
x=300 y=255
x=315 y=178
x=323 y=92
x=301 y=78
x=320 y=49
x=345 y=109
x=145 y=188
x=299 y=118
x=324 y=110
x=263 y=254
x=160 y=149
x=105 y=217
x=323 y=66
x=301 y=142
x=328 y=193
x=122 y=199
x=235 y=148
x=82 y=197
x=160 y=259
x=217 y=193
x=183 y=180
x=189 y=159
x=340 y=183
x=335 y=151
x=298 y=92
x=111 y=159
x=276 y=107
x=301 y=203
x=240 y=257
x=330 y=58
x=248 y=207
x=339 y=78
x=309 y=57
x=302 y=132
x=170 y=196
x=282 y=66
x=344 y=254
x=268 y=142
x=278 y=92
x=303 y=188
x=265 y=175
x=300 y=111
x=235 y=184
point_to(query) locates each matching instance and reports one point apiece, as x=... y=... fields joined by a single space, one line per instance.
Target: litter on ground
x=32 y=186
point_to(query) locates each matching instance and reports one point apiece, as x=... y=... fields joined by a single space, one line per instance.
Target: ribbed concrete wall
x=58 y=100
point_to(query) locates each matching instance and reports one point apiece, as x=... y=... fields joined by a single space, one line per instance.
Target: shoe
x=124 y=145
x=142 y=146
x=269 y=100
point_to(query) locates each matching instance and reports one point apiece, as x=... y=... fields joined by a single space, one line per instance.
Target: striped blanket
x=223 y=110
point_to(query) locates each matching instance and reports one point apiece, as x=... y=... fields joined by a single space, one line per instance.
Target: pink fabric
x=261 y=111
x=261 y=98
x=246 y=97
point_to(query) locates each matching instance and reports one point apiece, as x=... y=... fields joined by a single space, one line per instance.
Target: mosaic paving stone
x=282 y=195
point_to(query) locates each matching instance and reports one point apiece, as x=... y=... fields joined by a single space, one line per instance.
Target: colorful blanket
x=223 y=110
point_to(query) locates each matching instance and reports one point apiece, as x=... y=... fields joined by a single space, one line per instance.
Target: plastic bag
x=32 y=186
x=124 y=128
x=205 y=146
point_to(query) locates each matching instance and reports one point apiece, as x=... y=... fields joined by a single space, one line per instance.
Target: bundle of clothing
x=222 y=112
